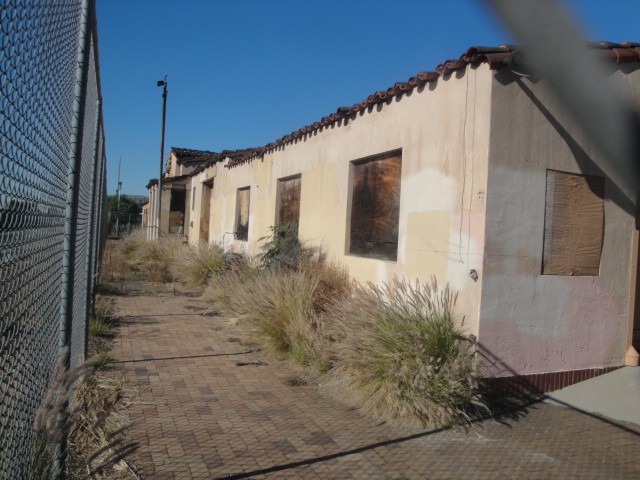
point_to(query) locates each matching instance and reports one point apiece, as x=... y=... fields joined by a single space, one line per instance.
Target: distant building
x=139 y=200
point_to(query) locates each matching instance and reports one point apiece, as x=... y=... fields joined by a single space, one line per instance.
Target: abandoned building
x=473 y=175
x=175 y=184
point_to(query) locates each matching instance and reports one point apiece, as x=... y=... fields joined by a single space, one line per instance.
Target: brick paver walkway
x=209 y=408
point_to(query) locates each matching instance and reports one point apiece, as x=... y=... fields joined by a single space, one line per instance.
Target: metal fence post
x=71 y=213
x=75 y=153
x=92 y=221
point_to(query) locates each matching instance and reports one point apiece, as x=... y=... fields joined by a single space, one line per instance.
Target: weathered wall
x=165 y=205
x=443 y=132
x=543 y=323
x=194 y=203
x=174 y=169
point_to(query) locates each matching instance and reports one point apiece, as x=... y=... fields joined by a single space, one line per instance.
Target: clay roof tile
x=496 y=57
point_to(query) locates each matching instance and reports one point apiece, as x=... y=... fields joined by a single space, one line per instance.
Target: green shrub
x=282 y=248
x=400 y=355
x=98 y=327
x=103 y=306
x=100 y=321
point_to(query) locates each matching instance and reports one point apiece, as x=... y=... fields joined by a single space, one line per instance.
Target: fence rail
x=52 y=204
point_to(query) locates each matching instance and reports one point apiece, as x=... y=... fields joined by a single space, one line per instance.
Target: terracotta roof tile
x=495 y=57
x=189 y=156
x=224 y=154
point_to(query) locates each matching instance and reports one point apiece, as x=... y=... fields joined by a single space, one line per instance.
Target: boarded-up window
x=573 y=224
x=288 y=201
x=242 y=214
x=375 y=207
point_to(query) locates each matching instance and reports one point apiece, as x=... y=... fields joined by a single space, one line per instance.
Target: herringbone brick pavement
x=209 y=407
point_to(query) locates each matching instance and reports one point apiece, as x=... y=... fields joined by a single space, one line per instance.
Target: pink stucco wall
x=538 y=323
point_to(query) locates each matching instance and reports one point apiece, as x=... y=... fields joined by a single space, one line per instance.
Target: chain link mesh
x=39 y=50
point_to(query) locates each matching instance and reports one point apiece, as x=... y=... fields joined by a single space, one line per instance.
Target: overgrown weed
x=87 y=411
x=282 y=307
x=282 y=248
x=400 y=355
x=232 y=286
x=203 y=261
x=166 y=260
x=100 y=322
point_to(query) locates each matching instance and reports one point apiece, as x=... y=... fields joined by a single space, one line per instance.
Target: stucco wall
x=174 y=169
x=194 y=203
x=165 y=204
x=443 y=131
x=543 y=323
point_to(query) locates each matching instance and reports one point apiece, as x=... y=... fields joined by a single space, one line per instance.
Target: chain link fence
x=52 y=204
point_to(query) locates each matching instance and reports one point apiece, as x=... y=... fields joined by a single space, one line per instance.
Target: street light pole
x=161 y=83
x=118 y=201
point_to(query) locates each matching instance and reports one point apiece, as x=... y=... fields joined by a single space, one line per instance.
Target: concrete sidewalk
x=615 y=395
x=209 y=407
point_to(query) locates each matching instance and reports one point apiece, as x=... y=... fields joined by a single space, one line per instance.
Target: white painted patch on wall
x=429 y=189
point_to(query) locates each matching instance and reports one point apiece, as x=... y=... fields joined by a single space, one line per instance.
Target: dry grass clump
x=283 y=307
x=133 y=242
x=134 y=258
x=87 y=408
x=157 y=261
x=231 y=286
x=115 y=265
x=203 y=261
x=400 y=356
x=97 y=441
x=169 y=259
x=334 y=281
x=279 y=306
x=101 y=320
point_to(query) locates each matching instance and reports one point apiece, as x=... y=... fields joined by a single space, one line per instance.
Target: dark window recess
x=205 y=210
x=573 y=224
x=242 y=214
x=375 y=207
x=177 y=210
x=288 y=201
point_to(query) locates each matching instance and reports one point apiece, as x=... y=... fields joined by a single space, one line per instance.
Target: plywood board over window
x=574 y=224
x=288 y=200
x=375 y=206
x=242 y=214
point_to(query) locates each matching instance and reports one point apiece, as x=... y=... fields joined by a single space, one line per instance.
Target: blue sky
x=244 y=73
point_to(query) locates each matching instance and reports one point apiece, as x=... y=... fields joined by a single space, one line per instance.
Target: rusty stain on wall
x=375 y=207
x=288 y=200
x=574 y=224
x=242 y=214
